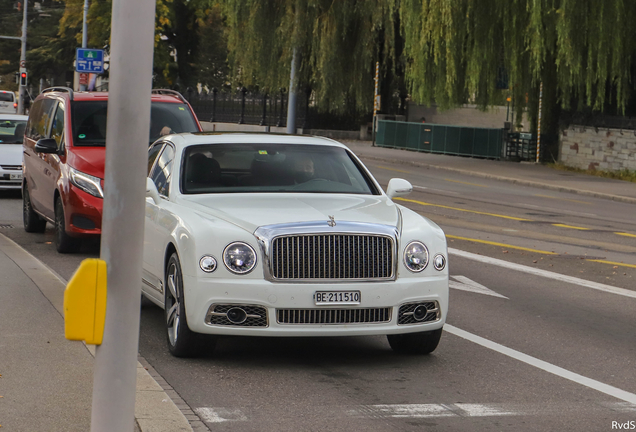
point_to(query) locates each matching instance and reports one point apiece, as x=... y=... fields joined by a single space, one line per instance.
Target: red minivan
x=64 y=156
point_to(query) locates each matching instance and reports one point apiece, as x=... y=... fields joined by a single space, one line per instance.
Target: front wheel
x=64 y=243
x=182 y=342
x=415 y=343
x=33 y=223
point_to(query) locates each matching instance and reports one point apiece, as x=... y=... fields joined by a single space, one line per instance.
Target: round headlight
x=207 y=263
x=439 y=262
x=239 y=258
x=416 y=256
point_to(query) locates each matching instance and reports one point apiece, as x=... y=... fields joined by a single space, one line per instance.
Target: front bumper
x=83 y=212
x=10 y=177
x=381 y=300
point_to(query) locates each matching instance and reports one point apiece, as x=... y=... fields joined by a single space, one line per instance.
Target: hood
x=89 y=160
x=250 y=211
x=10 y=154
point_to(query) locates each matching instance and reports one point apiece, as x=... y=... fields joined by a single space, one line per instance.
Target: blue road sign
x=89 y=60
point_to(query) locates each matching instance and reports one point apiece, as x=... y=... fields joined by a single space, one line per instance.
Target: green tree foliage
x=338 y=41
x=46 y=52
x=582 y=49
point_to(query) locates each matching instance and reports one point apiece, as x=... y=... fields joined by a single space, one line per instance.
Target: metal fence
x=443 y=139
x=253 y=107
x=246 y=107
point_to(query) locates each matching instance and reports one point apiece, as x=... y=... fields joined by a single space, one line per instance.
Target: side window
x=40 y=118
x=57 y=128
x=153 y=152
x=162 y=171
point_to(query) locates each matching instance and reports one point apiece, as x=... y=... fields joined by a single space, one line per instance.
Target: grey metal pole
x=22 y=95
x=291 y=100
x=131 y=56
x=84 y=35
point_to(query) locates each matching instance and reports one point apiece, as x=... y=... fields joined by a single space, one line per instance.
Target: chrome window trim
x=265 y=235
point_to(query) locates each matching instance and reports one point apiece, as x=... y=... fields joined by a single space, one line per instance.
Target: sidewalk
x=524 y=173
x=45 y=380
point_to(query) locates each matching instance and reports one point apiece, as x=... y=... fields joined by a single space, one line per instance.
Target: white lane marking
x=220 y=415
x=544 y=273
x=540 y=364
x=432 y=410
x=465 y=284
x=623 y=407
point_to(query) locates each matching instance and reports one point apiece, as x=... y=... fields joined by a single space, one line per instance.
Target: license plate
x=15 y=176
x=337 y=297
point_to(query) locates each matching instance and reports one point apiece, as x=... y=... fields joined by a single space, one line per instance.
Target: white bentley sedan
x=283 y=235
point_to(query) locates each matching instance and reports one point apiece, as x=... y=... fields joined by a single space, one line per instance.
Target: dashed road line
x=463 y=210
x=559 y=225
x=500 y=244
x=544 y=273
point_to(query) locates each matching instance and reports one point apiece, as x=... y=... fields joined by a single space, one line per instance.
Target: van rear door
x=7 y=102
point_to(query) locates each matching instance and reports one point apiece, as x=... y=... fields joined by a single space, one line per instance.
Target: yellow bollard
x=85 y=303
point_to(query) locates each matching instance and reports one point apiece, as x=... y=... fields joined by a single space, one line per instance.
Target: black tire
x=415 y=343
x=64 y=243
x=33 y=223
x=182 y=342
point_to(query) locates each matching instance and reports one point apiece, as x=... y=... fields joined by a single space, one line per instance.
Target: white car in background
x=282 y=235
x=12 y=128
x=8 y=102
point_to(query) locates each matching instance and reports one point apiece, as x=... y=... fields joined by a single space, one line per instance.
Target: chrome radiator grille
x=332 y=256
x=333 y=316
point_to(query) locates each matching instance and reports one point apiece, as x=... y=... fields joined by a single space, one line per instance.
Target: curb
x=155 y=410
x=618 y=198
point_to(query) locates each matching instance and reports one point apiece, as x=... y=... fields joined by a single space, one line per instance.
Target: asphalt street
x=540 y=332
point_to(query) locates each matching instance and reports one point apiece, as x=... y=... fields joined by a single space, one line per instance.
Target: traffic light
x=23 y=78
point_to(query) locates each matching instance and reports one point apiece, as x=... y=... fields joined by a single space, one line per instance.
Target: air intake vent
x=333 y=316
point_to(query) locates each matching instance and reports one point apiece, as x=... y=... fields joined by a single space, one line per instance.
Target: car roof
x=13 y=117
x=102 y=96
x=196 y=138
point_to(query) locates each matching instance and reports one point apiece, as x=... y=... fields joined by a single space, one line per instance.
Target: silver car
x=12 y=128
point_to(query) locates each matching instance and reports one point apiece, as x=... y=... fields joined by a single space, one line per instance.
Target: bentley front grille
x=333 y=316
x=332 y=256
x=414 y=313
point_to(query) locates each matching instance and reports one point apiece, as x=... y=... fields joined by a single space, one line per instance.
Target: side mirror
x=151 y=190
x=398 y=188
x=46 y=145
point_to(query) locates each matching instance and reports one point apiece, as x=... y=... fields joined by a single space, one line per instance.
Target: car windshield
x=12 y=131
x=249 y=168
x=89 y=121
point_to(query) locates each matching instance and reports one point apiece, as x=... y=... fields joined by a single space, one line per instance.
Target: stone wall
x=600 y=149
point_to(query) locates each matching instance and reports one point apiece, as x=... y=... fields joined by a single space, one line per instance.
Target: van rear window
x=6 y=97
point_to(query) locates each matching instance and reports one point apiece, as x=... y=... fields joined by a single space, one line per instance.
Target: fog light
x=236 y=315
x=420 y=313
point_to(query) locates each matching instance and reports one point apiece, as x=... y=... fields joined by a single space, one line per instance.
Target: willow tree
x=338 y=42
x=581 y=50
